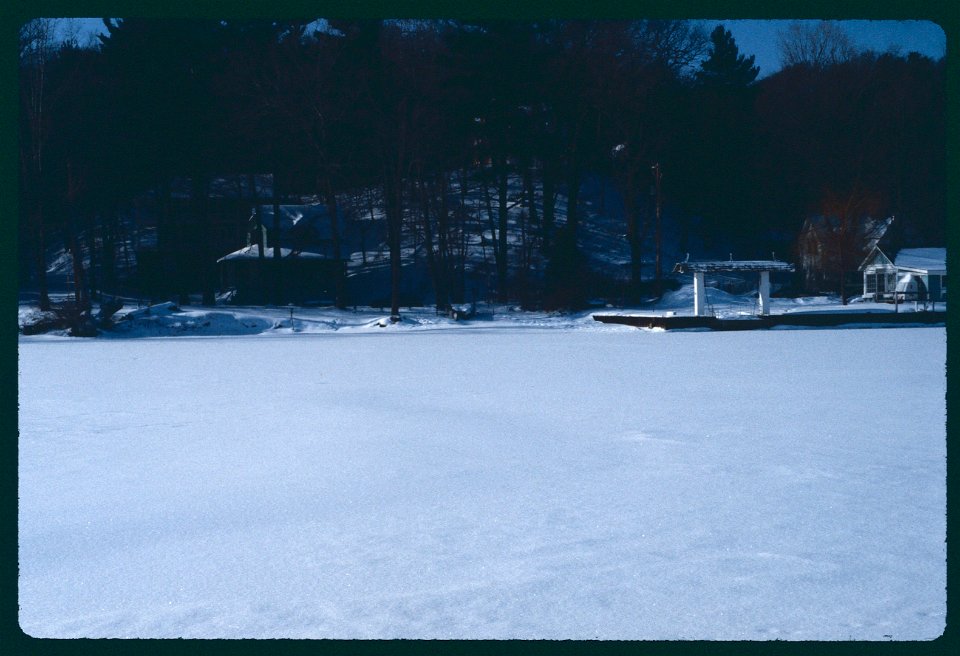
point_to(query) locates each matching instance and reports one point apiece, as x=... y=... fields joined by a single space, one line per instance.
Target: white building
x=915 y=274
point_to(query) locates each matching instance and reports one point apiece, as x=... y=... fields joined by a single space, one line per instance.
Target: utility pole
x=658 y=269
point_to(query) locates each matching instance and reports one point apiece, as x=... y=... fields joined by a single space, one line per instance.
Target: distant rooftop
x=253 y=252
x=732 y=265
x=312 y=218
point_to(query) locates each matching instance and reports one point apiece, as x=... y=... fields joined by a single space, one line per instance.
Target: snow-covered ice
x=505 y=483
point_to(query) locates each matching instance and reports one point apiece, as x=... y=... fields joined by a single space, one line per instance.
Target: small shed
x=309 y=266
x=307 y=276
x=763 y=267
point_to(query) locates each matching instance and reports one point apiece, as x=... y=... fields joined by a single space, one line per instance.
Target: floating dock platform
x=758 y=322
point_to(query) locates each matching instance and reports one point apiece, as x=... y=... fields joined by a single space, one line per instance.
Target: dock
x=763 y=322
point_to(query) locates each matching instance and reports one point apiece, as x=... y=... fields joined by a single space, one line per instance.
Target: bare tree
x=818 y=45
x=645 y=66
x=844 y=233
x=677 y=44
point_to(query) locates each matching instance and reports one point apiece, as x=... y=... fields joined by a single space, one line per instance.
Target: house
x=309 y=264
x=307 y=277
x=915 y=274
x=178 y=237
x=828 y=248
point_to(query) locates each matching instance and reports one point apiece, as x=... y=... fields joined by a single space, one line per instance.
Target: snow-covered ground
x=167 y=320
x=534 y=477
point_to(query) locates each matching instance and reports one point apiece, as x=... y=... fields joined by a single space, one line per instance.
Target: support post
x=764 y=293
x=896 y=299
x=699 y=294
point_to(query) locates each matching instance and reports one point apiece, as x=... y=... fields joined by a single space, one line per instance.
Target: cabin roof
x=922 y=259
x=298 y=218
x=876 y=258
x=252 y=252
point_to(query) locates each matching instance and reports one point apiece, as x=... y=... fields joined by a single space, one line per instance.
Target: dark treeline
x=420 y=110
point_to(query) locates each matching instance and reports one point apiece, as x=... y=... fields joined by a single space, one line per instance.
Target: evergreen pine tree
x=726 y=67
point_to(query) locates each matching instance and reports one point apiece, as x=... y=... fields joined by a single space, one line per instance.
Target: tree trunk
x=841 y=260
x=262 y=272
x=363 y=243
x=634 y=238
x=278 y=295
x=178 y=246
x=443 y=241
x=549 y=203
x=80 y=296
x=461 y=264
x=573 y=197
x=258 y=221
x=41 y=259
x=80 y=291
x=201 y=188
x=502 y=221
x=165 y=272
x=109 y=251
x=530 y=194
x=338 y=282
x=392 y=192
x=658 y=265
x=843 y=286
x=90 y=229
x=180 y=257
x=530 y=224
x=493 y=233
x=432 y=258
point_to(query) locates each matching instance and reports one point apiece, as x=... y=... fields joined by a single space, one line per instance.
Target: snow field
x=616 y=484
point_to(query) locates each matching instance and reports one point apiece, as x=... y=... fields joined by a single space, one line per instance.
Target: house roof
x=872 y=229
x=922 y=259
x=252 y=252
x=732 y=265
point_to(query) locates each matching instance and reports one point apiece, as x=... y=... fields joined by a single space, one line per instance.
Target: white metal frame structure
x=699 y=269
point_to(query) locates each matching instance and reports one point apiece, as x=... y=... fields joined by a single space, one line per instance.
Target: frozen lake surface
x=517 y=483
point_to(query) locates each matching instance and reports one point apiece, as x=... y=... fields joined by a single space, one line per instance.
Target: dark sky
x=754 y=37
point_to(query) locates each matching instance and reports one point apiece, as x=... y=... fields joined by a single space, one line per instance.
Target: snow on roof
x=925 y=259
x=732 y=265
x=252 y=252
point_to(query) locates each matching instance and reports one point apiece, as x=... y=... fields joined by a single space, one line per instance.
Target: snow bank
x=167 y=320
